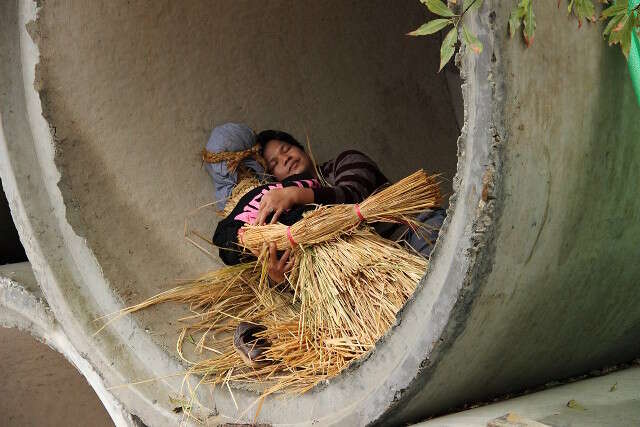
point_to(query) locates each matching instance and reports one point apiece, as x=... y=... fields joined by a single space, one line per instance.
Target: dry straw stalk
x=412 y=195
x=343 y=294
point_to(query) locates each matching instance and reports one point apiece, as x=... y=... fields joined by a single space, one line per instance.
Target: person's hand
x=276 y=201
x=278 y=267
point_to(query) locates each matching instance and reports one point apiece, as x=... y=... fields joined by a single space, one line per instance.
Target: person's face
x=284 y=160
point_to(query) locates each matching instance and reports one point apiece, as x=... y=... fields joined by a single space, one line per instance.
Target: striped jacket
x=352 y=177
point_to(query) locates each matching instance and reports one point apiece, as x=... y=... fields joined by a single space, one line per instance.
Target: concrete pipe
x=534 y=278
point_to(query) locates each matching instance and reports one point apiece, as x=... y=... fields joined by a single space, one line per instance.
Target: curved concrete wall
x=23 y=309
x=552 y=292
x=133 y=91
x=532 y=278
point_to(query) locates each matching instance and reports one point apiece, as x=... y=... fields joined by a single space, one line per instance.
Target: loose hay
x=348 y=294
x=344 y=292
x=411 y=195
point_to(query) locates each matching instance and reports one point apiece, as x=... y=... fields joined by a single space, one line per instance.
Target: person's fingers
x=257 y=218
x=289 y=265
x=263 y=210
x=283 y=259
x=263 y=213
x=275 y=216
x=273 y=255
x=260 y=215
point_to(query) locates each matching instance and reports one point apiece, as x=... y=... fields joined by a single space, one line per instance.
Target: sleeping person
x=349 y=178
x=296 y=187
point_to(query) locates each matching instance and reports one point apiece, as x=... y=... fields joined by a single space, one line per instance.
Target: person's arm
x=354 y=176
x=279 y=200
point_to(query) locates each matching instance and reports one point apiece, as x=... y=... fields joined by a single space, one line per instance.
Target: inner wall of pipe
x=133 y=89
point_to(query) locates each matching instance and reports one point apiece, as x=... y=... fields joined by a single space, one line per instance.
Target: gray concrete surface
x=40 y=385
x=104 y=109
x=553 y=292
x=608 y=400
x=133 y=106
x=40 y=388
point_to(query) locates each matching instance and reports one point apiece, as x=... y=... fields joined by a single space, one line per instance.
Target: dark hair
x=268 y=135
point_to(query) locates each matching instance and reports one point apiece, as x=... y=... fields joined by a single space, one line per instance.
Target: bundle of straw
x=412 y=195
x=233 y=158
x=343 y=294
x=368 y=277
x=353 y=287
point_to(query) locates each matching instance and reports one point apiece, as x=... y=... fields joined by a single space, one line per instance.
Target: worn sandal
x=250 y=348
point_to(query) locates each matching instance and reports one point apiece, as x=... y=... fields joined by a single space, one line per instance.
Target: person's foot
x=250 y=348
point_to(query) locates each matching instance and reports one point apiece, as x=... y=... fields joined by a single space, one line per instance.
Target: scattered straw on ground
x=344 y=292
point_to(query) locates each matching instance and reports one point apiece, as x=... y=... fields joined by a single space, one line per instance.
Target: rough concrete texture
x=40 y=385
x=67 y=274
x=40 y=388
x=134 y=98
x=554 y=288
x=609 y=400
x=533 y=275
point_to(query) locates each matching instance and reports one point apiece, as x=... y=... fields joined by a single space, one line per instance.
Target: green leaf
x=613 y=22
x=448 y=47
x=615 y=34
x=516 y=17
x=514 y=22
x=438 y=7
x=470 y=40
x=616 y=9
x=471 y=5
x=586 y=9
x=431 y=27
x=583 y=9
x=529 y=20
x=621 y=34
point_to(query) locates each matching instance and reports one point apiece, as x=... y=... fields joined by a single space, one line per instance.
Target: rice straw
x=411 y=195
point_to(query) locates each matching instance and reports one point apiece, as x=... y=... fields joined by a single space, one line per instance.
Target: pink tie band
x=290 y=237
